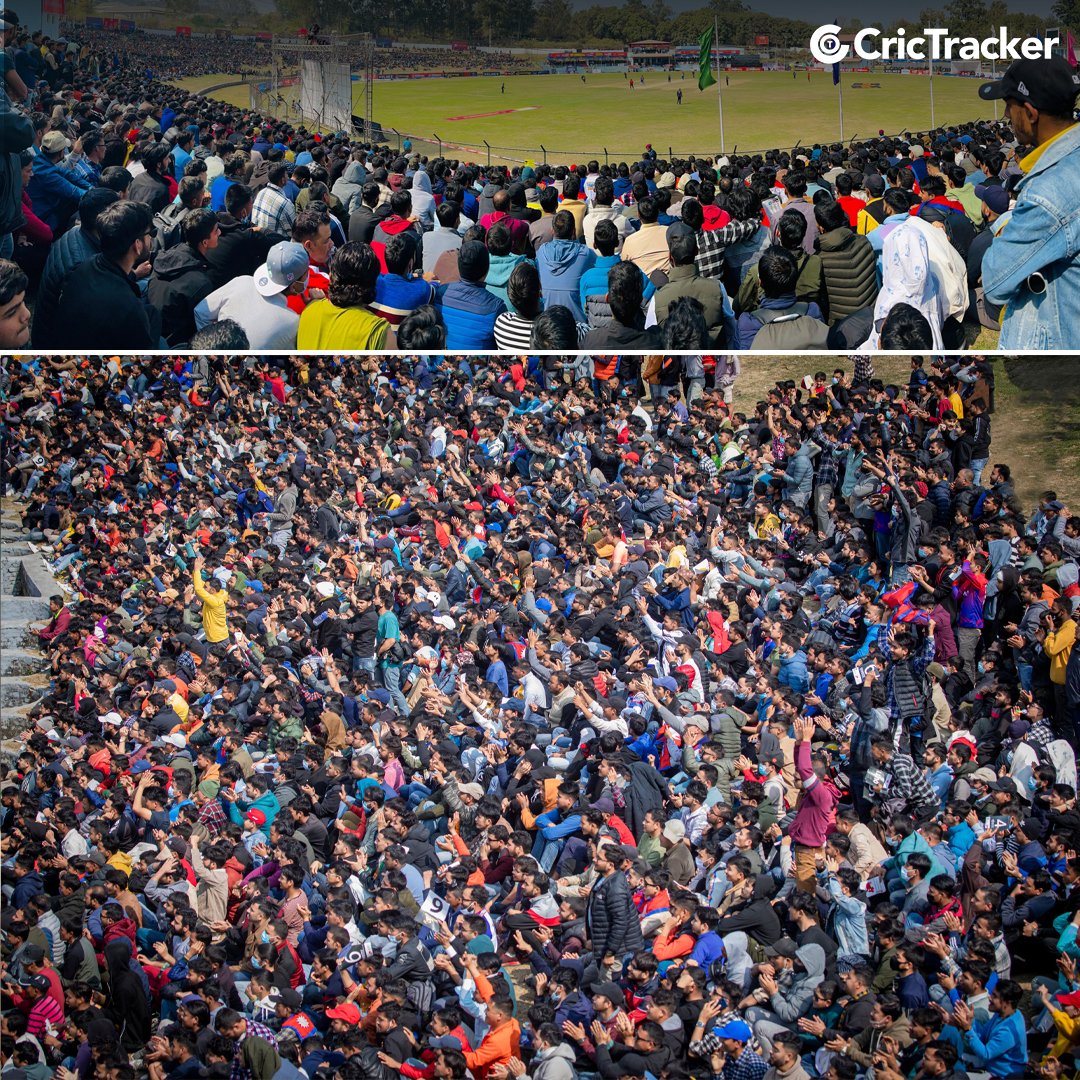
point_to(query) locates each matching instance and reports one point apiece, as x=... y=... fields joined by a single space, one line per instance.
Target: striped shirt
x=713 y=244
x=273 y=211
x=84 y=168
x=513 y=334
x=44 y=1012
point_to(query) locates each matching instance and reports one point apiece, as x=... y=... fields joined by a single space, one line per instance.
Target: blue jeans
x=1024 y=673
x=364 y=663
x=146 y=939
x=415 y=793
x=391 y=680
x=977 y=468
x=899 y=575
x=546 y=852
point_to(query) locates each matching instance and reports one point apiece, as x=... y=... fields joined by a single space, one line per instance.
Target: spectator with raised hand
x=704 y=749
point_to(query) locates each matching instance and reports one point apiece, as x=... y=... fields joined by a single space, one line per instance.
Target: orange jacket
x=673 y=943
x=499 y=1045
x=551 y=793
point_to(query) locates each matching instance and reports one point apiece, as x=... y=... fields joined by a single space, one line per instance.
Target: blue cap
x=734 y=1029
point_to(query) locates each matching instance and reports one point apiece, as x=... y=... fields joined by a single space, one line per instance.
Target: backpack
x=670 y=370
x=959 y=228
x=169 y=227
x=792 y=328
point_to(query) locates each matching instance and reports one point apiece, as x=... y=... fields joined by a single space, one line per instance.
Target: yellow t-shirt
x=214 y=621
x=1028 y=163
x=326 y=327
x=957 y=406
x=179 y=706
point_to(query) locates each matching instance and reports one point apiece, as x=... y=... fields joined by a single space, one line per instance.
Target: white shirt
x=268 y=321
x=73 y=845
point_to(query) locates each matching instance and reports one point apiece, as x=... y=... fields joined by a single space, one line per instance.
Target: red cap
x=348 y=1012
x=257 y=816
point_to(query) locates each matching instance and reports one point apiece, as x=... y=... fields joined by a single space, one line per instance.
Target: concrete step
x=15 y=663
x=16 y=692
x=14 y=635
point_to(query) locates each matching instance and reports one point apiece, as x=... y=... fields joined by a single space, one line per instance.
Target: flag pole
x=933 y=124
x=840 y=94
x=719 y=87
x=994 y=77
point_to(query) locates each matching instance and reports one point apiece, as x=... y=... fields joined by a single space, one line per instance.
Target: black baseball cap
x=1049 y=85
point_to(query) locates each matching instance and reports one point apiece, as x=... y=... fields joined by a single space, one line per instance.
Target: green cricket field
x=577 y=120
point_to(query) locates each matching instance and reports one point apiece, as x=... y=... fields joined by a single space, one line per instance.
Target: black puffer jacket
x=848 y=271
x=180 y=280
x=101 y=309
x=16 y=134
x=611 y=918
x=72 y=248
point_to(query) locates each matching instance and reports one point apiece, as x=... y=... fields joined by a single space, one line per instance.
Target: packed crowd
x=417 y=718
x=400 y=58
x=141 y=218
x=164 y=56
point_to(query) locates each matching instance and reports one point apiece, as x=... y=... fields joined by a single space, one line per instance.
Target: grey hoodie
x=794 y=999
x=423 y=201
x=284 y=509
x=739 y=963
x=554 y=1063
x=350 y=185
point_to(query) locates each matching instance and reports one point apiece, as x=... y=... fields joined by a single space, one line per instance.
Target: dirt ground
x=1035 y=427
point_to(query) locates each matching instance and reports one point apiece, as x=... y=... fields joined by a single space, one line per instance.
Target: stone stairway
x=25 y=587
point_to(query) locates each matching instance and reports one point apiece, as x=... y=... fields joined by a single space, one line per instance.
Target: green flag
x=705 y=76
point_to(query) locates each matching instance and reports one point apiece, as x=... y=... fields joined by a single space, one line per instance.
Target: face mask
x=256 y=962
x=892 y=841
x=265 y=937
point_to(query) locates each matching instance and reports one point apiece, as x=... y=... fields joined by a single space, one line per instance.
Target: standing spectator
x=1033 y=267
x=181 y=276
x=100 y=300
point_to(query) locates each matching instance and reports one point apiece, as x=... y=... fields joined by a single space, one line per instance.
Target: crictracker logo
x=934 y=44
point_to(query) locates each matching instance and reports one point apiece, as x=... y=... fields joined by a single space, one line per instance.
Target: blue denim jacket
x=1042 y=235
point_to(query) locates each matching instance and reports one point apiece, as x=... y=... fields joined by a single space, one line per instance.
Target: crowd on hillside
x=136 y=217
x=411 y=717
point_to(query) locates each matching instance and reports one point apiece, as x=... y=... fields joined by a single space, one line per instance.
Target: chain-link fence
x=280 y=99
x=490 y=154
